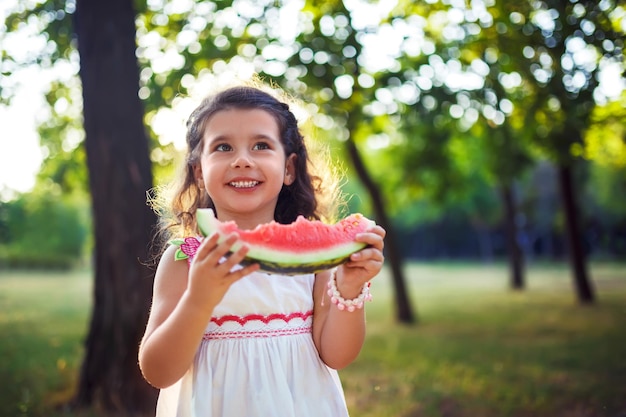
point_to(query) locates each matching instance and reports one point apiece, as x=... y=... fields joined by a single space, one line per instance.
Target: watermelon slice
x=301 y=247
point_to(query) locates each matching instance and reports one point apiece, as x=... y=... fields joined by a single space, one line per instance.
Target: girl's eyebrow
x=218 y=138
x=263 y=136
x=258 y=136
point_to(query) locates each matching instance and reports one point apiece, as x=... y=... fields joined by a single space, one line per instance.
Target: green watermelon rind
x=295 y=268
x=284 y=261
x=299 y=263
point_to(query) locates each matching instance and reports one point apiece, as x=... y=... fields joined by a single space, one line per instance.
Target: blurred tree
x=119 y=176
x=117 y=156
x=529 y=70
x=566 y=45
x=445 y=96
x=500 y=106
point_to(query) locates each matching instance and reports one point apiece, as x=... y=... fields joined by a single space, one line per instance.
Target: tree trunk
x=404 y=312
x=119 y=176
x=582 y=283
x=516 y=259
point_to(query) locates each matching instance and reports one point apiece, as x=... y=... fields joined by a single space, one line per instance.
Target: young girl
x=231 y=341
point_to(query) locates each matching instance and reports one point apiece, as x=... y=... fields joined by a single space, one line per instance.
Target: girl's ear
x=290 y=169
x=197 y=173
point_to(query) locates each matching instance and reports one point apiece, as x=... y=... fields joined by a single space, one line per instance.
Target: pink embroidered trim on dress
x=263 y=332
x=265 y=319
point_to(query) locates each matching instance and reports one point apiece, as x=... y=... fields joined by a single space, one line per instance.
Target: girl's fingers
x=369 y=265
x=235 y=257
x=378 y=231
x=213 y=253
x=370 y=260
x=225 y=247
x=210 y=251
x=373 y=237
x=206 y=246
x=240 y=273
x=367 y=254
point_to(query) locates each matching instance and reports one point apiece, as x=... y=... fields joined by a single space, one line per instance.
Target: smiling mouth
x=243 y=184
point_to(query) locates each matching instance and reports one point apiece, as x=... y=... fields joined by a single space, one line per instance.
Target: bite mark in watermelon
x=301 y=247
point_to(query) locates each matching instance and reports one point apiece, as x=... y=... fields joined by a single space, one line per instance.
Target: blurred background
x=487 y=137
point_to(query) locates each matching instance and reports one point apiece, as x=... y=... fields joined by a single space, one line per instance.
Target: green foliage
x=430 y=142
x=606 y=188
x=556 y=91
x=605 y=140
x=61 y=137
x=43 y=229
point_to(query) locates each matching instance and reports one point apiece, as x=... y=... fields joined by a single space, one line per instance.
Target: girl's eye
x=223 y=147
x=260 y=146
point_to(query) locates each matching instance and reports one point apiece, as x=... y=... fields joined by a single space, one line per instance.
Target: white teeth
x=243 y=184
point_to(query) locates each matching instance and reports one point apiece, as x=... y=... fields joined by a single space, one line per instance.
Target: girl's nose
x=242 y=160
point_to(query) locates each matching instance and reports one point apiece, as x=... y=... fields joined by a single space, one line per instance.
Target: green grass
x=483 y=350
x=479 y=349
x=43 y=320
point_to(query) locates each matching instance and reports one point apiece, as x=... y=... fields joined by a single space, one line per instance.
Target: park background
x=487 y=137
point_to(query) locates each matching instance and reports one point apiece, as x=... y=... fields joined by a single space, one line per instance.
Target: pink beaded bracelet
x=342 y=303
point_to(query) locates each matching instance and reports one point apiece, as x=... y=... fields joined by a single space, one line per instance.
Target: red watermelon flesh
x=303 y=246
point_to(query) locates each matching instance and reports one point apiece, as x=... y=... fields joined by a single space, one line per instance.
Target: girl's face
x=243 y=165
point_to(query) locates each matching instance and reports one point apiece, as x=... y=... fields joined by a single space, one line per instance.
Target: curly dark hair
x=301 y=198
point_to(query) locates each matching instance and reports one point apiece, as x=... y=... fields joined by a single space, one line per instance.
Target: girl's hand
x=363 y=265
x=209 y=279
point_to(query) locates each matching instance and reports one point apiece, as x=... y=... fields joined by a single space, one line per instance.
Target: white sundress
x=257 y=357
